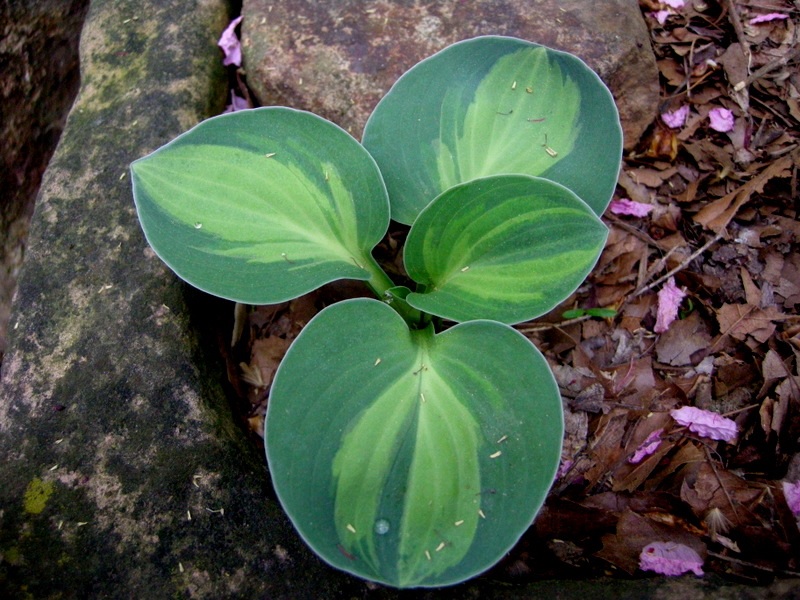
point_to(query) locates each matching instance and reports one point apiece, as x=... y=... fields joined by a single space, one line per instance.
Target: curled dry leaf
x=719 y=213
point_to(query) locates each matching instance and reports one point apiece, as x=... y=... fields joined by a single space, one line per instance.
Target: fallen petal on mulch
x=792 y=493
x=706 y=423
x=669 y=300
x=676 y=118
x=720 y=119
x=624 y=206
x=767 y=18
x=669 y=558
x=647 y=447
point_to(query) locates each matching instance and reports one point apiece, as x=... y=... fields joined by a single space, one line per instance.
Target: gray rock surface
x=337 y=58
x=39 y=66
x=123 y=474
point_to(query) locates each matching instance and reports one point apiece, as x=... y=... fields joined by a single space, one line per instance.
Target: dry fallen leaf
x=684 y=343
x=741 y=320
x=718 y=214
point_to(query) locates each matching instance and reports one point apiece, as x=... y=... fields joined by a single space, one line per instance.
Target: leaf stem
x=381 y=284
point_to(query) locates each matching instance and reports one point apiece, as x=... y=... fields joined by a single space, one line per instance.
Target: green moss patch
x=36 y=496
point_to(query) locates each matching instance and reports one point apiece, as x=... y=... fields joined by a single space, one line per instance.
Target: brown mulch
x=724 y=226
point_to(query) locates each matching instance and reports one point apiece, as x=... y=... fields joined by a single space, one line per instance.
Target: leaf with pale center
x=410 y=458
x=262 y=205
x=489 y=106
x=508 y=247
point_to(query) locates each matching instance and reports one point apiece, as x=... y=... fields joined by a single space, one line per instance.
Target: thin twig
x=776 y=63
x=616 y=221
x=533 y=327
x=722 y=485
x=744 y=563
x=736 y=21
x=681 y=266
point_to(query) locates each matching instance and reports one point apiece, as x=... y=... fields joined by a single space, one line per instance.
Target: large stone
x=123 y=474
x=39 y=63
x=337 y=58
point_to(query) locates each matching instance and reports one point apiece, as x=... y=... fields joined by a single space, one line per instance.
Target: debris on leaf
x=230 y=45
x=669 y=300
x=706 y=423
x=720 y=119
x=669 y=558
x=677 y=118
x=647 y=447
x=624 y=206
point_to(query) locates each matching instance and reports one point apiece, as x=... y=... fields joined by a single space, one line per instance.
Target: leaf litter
x=682 y=404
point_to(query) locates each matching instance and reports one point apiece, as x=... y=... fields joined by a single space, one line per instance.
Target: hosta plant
x=413 y=437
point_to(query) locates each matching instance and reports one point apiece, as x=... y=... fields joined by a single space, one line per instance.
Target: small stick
x=722 y=485
x=681 y=266
x=736 y=21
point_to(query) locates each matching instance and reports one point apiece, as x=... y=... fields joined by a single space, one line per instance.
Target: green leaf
x=494 y=105
x=508 y=247
x=262 y=206
x=410 y=458
x=600 y=313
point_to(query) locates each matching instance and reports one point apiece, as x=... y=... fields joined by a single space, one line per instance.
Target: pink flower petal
x=669 y=558
x=768 y=17
x=674 y=3
x=792 y=493
x=720 y=119
x=661 y=16
x=669 y=300
x=237 y=103
x=624 y=206
x=647 y=447
x=230 y=45
x=706 y=423
x=676 y=118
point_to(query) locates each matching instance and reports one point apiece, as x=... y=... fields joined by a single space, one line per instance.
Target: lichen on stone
x=36 y=496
